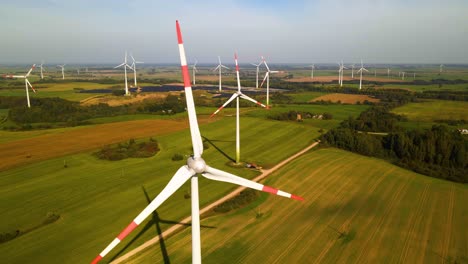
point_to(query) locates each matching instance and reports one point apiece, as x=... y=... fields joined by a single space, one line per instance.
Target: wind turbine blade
x=30 y=70
x=120 y=65
x=224 y=67
x=216 y=68
x=194 y=130
x=180 y=177
x=30 y=85
x=365 y=69
x=234 y=96
x=274 y=71
x=266 y=75
x=219 y=175
x=243 y=96
x=266 y=65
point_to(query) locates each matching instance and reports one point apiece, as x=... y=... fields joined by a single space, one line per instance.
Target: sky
x=300 y=31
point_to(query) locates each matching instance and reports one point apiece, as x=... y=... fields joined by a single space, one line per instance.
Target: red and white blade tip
x=272 y=190
x=179 y=34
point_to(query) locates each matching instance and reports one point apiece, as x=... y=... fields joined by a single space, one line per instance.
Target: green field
x=96 y=199
x=356 y=210
x=432 y=110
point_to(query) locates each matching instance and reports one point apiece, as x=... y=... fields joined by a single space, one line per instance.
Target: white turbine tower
x=26 y=82
x=133 y=66
x=388 y=72
x=236 y=96
x=441 y=68
x=219 y=67
x=195 y=165
x=42 y=69
x=267 y=78
x=125 y=66
x=360 y=72
x=352 y=70
x=340 y=73
x=312 y=71
x=403 y=75
x=258 y=70
x=194 y=70
x=63 y=70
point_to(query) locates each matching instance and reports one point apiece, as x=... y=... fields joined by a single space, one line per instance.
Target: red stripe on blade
x=96 y=260
x=295 y=197
x=186 y=75
x=127 y=231
x=269 y=189
x=179 y=34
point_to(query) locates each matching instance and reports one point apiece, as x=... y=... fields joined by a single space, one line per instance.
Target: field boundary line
x=205 y=209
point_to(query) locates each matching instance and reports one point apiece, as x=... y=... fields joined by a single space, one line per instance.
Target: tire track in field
x=448 y=229
x=394 y=200
x=414 y=220
x=312 y=197
x=312 y=225
x=330 y=244
x=427 y=229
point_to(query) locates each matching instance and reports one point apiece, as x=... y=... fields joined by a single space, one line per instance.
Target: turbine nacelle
x=197 y=164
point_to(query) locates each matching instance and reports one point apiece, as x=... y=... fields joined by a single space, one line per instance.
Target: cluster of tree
x=7 y=236
x=444 y=95
x=294 y=115
x=170 y=105
x=244 y=198
x=438 y=152
x=130 y=149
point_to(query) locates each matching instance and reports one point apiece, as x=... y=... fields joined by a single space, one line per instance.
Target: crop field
x=356 y=210
x=96 y=199
x=346 y=98
x=432 y=110
x=304 y=97
x=432 y=87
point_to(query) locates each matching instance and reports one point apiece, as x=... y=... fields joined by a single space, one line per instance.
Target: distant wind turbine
x=236 y=96
x=26 y=82
x=312 y=71
x=352 y=71
x=219 y=67
x=388 y=72
x=441 y=68
x=133 y=66
x=125 y=66
x=194 y=70
x=267 y=78
x=340 y=73
x=360 y=72
x=258 y=69
x=42 y=69
x=63 y=70
x=402 y=75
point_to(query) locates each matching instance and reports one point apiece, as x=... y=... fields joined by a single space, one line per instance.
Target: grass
x=356 y=210
x=304 y=97
x=431 y=87
x=432 y=110
x=96 y=199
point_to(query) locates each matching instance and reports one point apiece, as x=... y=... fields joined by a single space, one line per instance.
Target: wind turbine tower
x=267 y=78
x=125 y=66
x=133 y=66
x=219 y=67
x=360 y=72
x=194 y=70
x=26 y=82
x=63 y=70
x=258 y=69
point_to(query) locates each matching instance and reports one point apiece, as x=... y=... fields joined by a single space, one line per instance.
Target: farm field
x=96 y=199
x=432 y=110
x=356 y=210
x=346 y=98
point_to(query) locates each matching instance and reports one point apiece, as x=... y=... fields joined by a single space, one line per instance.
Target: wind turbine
x=194 y=70
x=403 y=75
x=236 y=96
x=340 y=73
x=388 y=72
x=125 y=66
x=133 y=66
x=63 y=70
x=441 y=68
x=267 y=78
x=312 y=71
x=26 y=82
x=42 y=68
x=195 y=165
x=219 y=67
x=352 y=70
x=258 y=69
x=360 y=71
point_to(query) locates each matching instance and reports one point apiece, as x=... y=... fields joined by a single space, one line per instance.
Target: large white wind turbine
x=441 y=68
x=194 y=70
x=352 y=70
x=125 y=66
x=267 y=78
x=133 y=66
x=312 y=71
x=63 y=70
x=26 y=82
x=195 y=165
x=236 y=96
x=258 y=70
x=360 y=72
x=219 y=67
x=340 y=73
x=42 y=69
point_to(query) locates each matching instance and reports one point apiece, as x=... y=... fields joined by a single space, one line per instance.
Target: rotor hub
x=196 y=164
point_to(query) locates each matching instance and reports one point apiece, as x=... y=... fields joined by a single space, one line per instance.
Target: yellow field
x=346 y=98
x=356 y=210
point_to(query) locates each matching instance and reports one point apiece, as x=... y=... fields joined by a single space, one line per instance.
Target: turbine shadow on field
x=218 y=149
x=155 y=220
